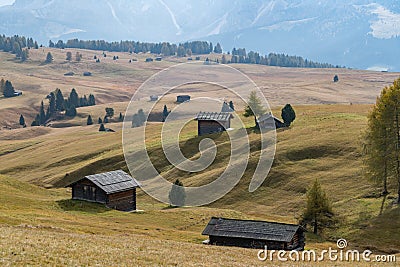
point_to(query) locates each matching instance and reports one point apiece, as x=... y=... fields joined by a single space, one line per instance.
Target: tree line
x=57 y=104
x=164 y=48
x=193 y=47
x=18 y=45
x=273 y=59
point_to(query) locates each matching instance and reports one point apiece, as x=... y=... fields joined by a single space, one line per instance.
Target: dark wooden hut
x=213 y=122
x=268 y=121
x=115 y=189
x=254 y=234
x=182 y=98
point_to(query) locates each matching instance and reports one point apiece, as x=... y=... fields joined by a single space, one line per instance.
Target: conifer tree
x=288 y=114
x=89 y=120
x=177 y=194
x=102 y=128
x=42 y=114
x=21 y=120
x=254 y=107
x=59 y=100
x=318 y=211
x=49 y=58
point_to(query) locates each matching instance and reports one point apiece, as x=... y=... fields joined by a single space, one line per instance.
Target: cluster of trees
x=58 y=103
x=6 y=88
x=78 y=56
x=138 y=119
x=382 y=140
x=17 y=45
x=273 y=59
x=255 y=109
x=165 y=48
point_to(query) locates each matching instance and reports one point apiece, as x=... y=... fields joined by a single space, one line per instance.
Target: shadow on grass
x=81 y=206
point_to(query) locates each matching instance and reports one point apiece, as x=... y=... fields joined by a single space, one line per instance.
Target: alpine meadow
x=199 y=144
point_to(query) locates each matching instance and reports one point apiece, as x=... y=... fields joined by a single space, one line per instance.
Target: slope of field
x=116 y=80
x=324 y=142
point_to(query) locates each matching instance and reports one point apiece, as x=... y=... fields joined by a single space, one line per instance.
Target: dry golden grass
x=324 y=143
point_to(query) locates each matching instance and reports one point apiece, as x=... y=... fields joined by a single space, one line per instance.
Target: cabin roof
x=213 y=116
x=112 y=182
x=267 y=116
x=261 y=230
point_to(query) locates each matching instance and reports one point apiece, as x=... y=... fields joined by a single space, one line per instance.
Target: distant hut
x=149 y=59
x=268 y=121
x=115 y=189
x=255 y=234
x=213 y=122
x=153 y=98
x=226 y=107
x=182 y=98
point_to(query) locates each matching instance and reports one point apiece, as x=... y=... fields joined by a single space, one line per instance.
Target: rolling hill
x=324 y=142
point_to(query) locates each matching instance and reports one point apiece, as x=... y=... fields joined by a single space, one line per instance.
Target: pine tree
x=177 y=194
x=59 y=100
x=21 y=120
x=2 y=86
x=91 y=101
x=78 y=56
x=335 y=79
x=36 y=121
x=102 y=128
x=254 y=107
x=223 y=59
x=99 y=121
x=383 y=137
x=42 y=115
x=24 y=55
x=52 y=104
x=49 y=58
x=288 y=114
x=70 y=111
x=69 y=56
x=121 y=117
x=142 y=116
x=318 y=211
x=89 y=120
x=8 y=90
x=74 y=98
x=136 y=122
x=165 y=113
x=231 y=105
x=218 y=49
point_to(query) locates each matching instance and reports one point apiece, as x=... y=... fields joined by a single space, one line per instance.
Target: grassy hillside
x=324 y=142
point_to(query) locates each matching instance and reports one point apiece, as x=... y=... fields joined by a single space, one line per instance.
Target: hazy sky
x=6 y=2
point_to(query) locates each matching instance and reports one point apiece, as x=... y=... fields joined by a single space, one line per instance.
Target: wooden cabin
x=213 y=122
x=268 y=121
x=115 y=189
x=182 y=98
x=255 y=234
x=153 y=98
